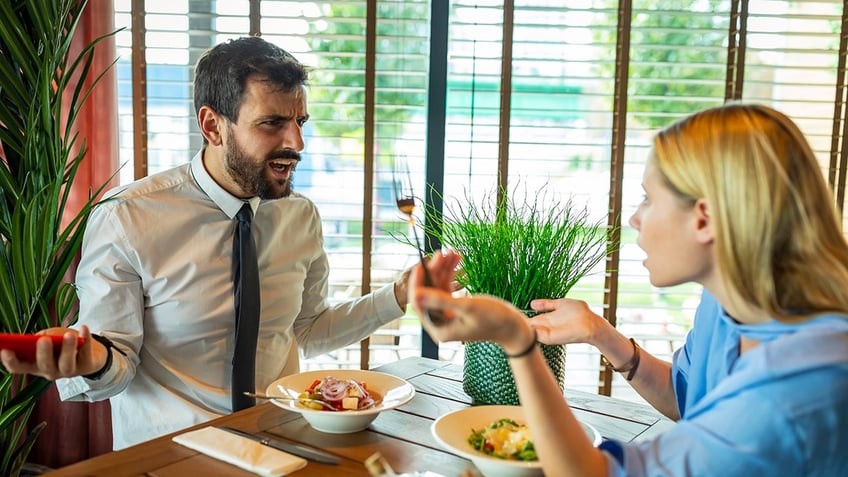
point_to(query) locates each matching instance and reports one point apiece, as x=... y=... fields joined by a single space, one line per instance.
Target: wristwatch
x=109 y=347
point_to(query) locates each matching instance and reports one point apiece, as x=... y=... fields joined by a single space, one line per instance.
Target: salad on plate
x=342 y=394
x=504 y=439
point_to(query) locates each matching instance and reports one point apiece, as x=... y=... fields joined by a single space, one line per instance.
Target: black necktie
x=246 y=299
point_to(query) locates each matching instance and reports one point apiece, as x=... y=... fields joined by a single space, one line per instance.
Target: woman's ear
x=704 y=231
x=210 y=124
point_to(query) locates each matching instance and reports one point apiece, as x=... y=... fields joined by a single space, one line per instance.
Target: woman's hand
x=472 y=318
x=401 y=285
x=565 y=321
x=72 y=360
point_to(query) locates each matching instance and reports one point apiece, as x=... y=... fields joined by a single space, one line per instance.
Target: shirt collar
x=773 y=329
x=227 y=202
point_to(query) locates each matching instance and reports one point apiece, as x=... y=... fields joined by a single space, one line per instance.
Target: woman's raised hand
x=472 y=318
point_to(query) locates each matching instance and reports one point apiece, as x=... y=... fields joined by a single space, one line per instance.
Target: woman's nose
x=634 y=220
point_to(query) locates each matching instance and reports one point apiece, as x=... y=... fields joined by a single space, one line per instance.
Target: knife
x=292 y=448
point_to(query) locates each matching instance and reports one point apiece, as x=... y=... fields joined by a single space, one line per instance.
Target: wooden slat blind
x=565 y=93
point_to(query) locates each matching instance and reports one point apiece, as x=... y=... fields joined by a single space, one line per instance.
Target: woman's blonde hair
x=778 y=242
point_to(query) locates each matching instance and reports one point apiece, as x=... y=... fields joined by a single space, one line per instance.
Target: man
x=155 y=278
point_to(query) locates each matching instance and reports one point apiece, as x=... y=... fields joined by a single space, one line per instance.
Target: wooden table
x=401 y=435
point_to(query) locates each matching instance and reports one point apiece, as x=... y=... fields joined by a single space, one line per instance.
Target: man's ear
x=211 y=124
x=703 y=222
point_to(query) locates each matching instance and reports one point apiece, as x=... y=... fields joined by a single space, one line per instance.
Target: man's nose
x=293 y=138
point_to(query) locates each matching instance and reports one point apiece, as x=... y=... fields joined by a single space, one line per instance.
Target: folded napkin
x=240 y=451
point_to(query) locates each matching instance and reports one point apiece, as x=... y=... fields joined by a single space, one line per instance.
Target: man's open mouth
x=283 y=165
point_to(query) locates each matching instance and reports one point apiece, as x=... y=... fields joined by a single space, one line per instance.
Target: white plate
x=453 y=429
x=391 y=392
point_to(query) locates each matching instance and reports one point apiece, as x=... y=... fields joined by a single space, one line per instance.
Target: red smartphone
x=24 y=344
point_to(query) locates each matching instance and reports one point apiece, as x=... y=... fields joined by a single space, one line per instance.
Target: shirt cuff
x=613 y=452
x=79 y=388
x=72 y=389
x=386 y=304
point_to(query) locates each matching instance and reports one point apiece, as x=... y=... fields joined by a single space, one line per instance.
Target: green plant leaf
x=15 y=39
x=43 y=89
x=26 y=446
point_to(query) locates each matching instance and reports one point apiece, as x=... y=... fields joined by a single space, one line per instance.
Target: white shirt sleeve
x=110 y=291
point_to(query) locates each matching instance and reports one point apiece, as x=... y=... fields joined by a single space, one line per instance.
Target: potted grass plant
x=523 y=246
x=41 y=93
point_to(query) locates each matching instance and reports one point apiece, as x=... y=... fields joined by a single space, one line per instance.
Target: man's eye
x=301 y=121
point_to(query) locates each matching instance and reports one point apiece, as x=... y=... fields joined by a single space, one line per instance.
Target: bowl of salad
x=340 y=401
x=495 y=438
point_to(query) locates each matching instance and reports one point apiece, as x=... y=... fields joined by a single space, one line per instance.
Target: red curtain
x=76 y=431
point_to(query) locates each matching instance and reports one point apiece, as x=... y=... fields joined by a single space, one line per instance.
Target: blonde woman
x=735 y=201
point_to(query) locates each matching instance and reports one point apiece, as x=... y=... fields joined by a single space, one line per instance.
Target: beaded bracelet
x=526 y=351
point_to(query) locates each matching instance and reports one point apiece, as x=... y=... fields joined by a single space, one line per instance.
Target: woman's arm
x=562 y=445
x=652 y=376
x=571 y=321
x=559 y=439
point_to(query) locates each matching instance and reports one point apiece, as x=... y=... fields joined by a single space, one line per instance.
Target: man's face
x=263 y=147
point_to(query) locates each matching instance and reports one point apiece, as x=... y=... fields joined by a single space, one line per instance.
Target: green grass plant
x=532 y=246
x=517 y=247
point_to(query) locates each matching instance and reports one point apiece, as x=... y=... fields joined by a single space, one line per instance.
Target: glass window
x=586 y=84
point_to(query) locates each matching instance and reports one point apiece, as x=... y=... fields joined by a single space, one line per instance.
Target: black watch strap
x=109 y=347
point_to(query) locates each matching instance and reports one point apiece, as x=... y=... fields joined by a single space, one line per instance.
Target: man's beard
x=250 y=174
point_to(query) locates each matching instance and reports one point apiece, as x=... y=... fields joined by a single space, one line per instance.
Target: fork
x=405 y=200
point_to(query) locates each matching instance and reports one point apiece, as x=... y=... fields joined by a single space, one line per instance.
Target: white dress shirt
x=155 y=277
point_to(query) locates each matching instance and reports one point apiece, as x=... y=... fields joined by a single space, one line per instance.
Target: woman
x=735 y=201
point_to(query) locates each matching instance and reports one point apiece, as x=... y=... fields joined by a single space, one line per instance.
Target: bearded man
x=155 y=281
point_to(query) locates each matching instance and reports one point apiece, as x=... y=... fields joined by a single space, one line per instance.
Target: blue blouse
x=781 y=409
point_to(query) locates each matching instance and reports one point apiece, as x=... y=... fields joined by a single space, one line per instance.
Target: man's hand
x=402 y=284
x=72 y=360
x=401 y=289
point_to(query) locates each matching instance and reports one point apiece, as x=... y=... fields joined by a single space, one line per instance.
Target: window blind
x=588 y=85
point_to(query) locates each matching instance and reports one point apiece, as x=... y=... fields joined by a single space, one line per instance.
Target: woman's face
x=672 y=234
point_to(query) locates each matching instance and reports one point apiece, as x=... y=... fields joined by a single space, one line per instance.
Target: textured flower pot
x=488 y=379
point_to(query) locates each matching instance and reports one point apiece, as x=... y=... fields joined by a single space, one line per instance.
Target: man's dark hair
x=222 y=72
